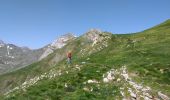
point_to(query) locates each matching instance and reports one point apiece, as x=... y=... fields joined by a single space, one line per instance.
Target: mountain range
x=13 y=57
x=104 y=66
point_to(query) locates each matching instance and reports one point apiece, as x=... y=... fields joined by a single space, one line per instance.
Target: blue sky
x=35 y=23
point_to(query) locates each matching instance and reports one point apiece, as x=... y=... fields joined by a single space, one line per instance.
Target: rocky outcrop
x=93 y=41
x=135 y=90
x=97 y=36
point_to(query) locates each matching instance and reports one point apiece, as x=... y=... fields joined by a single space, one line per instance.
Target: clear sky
x=35 y=23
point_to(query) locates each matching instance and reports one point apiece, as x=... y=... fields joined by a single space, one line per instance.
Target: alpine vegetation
x=102 y=66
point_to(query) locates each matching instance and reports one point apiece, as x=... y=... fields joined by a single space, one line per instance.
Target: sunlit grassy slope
x=146 y=55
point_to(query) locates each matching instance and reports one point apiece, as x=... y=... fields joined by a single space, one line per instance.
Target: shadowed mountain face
x=104 y=66
x=13 y=57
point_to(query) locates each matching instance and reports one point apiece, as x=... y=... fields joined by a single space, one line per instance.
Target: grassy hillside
x=146 y=56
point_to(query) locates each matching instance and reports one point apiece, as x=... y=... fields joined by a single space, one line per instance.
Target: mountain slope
x=43 y=66
x=105 y=66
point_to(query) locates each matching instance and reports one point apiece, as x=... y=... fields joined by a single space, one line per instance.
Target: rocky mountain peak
x=61 y=41
x=57 y=44
x=68 y=35
x=92 y=34
x=94 y=31
x=97 y=36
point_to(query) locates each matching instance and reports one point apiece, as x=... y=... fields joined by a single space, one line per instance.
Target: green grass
x=148 y=57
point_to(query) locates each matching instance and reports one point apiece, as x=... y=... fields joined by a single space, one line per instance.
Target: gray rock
x=163 y=96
